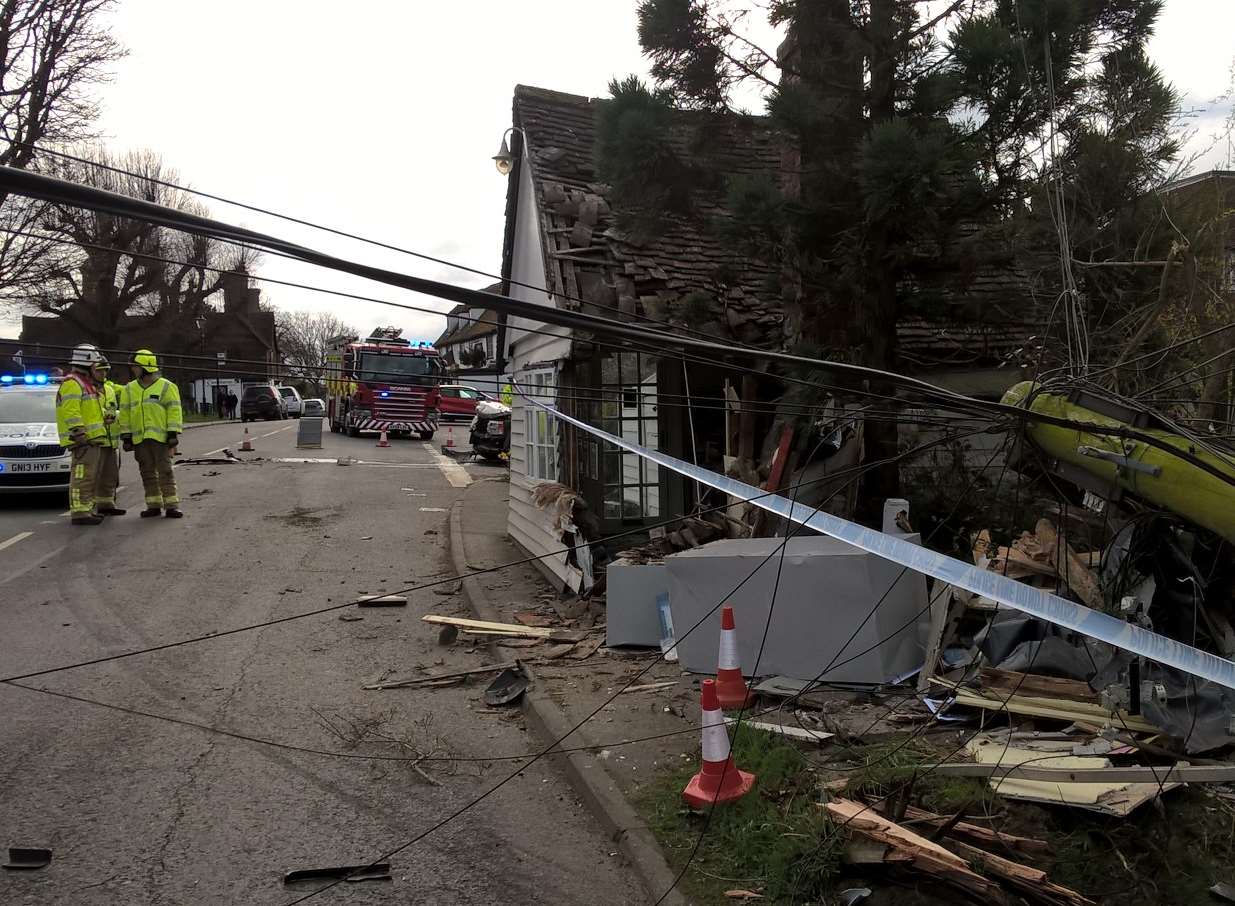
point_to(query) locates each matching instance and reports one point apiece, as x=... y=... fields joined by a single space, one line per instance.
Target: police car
x=31 y=458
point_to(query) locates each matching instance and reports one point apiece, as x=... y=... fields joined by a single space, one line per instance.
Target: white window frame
x=540 y=428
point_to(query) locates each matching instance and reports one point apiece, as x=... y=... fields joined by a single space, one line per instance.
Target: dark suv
x=260 y=402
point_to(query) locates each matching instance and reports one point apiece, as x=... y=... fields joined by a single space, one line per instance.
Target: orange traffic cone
x=450 y=437
x=383 y=441
x=246 y=445
x=719 y=780
x=731 y=689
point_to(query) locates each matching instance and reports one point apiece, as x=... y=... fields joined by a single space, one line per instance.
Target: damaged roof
x=987 y=297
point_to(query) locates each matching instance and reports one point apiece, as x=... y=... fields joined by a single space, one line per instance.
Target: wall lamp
x=504 y=160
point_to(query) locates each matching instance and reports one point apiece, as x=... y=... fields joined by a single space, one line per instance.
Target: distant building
x=469 y=345
x=188 y=348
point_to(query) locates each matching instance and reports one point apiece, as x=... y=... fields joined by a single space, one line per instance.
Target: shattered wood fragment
x=487 y=626
x=928 y=857
x=532 y=618
x=1036 y=706
x=1075 y=573
x=1043 y=686
x=1030 y=881
x=976 y=833
x=585 y=649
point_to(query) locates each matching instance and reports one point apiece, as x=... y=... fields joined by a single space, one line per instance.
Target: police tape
x=1017 y=595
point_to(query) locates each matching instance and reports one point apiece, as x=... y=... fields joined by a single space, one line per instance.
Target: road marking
x=455 y=473
x=433 y=509
x=278 y=431
x=20 y=536
x=37 y=563
x=354 y=462
x=49 y=522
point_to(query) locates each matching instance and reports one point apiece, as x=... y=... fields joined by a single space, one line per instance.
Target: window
x=468 y=393
x=628 y=409
x=387 y=368
x=540 y=438
x=449 y=392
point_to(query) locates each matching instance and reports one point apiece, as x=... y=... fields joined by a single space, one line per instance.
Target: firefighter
x=109 y=467
x=150 y=424
x=79 y=420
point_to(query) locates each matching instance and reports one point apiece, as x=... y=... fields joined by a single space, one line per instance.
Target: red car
x=457 y=403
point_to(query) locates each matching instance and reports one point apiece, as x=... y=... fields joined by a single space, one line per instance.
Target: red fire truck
x=382 y=383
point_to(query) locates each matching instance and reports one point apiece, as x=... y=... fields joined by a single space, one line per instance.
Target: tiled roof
x=985 y=295
x=470 y=330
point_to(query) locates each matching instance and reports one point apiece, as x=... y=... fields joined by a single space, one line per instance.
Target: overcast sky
x=380 y=117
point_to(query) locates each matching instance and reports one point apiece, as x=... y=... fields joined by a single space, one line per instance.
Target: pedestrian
x=231 y=404
x=150 y=425
x=79 y=421
x=109 y=465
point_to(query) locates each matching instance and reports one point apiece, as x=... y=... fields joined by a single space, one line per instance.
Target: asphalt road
x=139 y=810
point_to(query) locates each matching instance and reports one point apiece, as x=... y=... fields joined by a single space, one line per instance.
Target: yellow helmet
x=145 y=359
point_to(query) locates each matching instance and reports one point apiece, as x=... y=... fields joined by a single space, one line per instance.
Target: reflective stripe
x=715 y=737
x=728 y=659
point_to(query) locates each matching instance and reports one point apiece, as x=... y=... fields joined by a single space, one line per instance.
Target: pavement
x=628 y=736
x=142 y=810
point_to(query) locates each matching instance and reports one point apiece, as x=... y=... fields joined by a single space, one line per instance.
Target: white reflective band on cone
x=1025 y=598
x=728 y=659
x=715 y=737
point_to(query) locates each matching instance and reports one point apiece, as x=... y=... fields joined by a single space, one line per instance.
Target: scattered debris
x=507 y=687
x=485 y=627
x=377 y=871
x=382 y=601
x=743 y=895
x=532 y=618
x=27 y=858
x=448 y=635
x=971 y=832
x=454 y=674
x=799 y=733
x=1068 y=711
x=202 y=493
x=648 y=687
x=1223 y=892
x=350 y=617
x=853 y=895
x=585 y=649
x=452 y=588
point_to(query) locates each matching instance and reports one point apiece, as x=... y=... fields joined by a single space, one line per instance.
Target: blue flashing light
x=28 y=378
x=40 y=379
x=6 y=378
x=384 y=393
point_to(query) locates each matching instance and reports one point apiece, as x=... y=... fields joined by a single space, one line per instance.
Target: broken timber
x=1180 y=773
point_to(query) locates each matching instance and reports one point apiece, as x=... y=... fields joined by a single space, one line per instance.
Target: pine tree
x=906 y=126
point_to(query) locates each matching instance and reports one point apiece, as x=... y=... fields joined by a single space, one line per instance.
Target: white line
x=279 y=431
x=455 y=473
x=37 y=563
x=20 y=536
x=433 y=509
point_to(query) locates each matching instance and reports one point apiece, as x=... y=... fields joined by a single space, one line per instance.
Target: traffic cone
x=383 y=441
x=731 y=689
x=246 y=445
x=450 y=437
x=719 y=780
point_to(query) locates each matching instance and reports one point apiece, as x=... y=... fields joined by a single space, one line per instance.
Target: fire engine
x=382 y=383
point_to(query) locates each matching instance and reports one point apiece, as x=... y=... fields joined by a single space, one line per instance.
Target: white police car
x=31 y=458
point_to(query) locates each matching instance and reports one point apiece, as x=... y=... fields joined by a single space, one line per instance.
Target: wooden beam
x=1179 y=773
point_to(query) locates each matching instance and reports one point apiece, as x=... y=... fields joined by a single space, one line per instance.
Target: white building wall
x=527 y=525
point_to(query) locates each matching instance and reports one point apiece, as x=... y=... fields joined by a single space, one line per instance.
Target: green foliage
x=698 y=307
x=635 y=155
x=683 y=53
x=758 y=210
x=776 y=838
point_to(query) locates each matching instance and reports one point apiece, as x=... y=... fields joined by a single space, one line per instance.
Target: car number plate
x=26 y=466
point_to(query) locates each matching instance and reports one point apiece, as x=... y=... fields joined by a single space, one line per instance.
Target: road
x=139 y=810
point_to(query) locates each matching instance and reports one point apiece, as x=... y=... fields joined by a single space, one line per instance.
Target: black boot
x=87 y=519
x=151 y=511
x=112 y=511
x=173 y=513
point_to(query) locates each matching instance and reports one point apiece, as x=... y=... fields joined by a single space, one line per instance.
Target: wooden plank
x=1179 y=773
x=1042 y=707
x=976 y=833
x=510 y=628
x=1074 y=572
x=454 y=674
x=928 y=857
x=1042 y=686
x=1030 y=881
x=799 y=733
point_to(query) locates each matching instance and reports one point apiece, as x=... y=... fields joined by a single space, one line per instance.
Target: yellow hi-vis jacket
x=148 y=413
x=113 y=394
x=79 y=409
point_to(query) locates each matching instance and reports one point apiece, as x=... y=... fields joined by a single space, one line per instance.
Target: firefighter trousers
x=84 y=478
x=109 y=478
x=154 y=461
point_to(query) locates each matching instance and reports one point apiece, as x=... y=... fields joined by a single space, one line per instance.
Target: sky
x=383 y=121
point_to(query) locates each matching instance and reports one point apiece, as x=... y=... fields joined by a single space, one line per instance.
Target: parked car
x=261 y=401
x=31 y=458
x=457 y=402
x=312 y=408
x=292 y=401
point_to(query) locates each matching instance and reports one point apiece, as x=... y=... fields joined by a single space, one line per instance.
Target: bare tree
x=52 y=53
x=304 y=337
x=108 y=266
